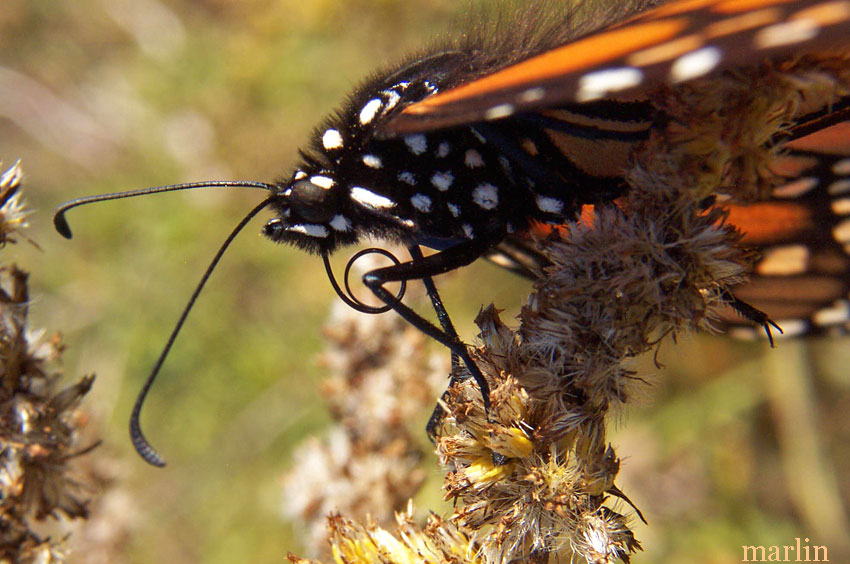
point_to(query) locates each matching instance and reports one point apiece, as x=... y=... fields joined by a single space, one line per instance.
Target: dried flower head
x=439 y=542
x=13 y=213
x=382 y=382
x=534 y=477
x=38 y=420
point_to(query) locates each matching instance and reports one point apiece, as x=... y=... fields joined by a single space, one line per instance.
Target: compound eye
x=312 y=202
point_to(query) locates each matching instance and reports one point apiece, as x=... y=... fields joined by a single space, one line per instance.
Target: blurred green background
x=733 y=444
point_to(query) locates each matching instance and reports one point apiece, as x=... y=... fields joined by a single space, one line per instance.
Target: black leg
x=752 y=314
x=446 y=323
x=423 y=268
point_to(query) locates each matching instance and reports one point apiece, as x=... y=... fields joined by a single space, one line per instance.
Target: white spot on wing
x=421 y=202
x=322 y=182
x=311 y=229
x=468 y=231
x=549 y=205
x=841 y=232
x=842 y=167
x=796 y=188
x=372 y=161
x=500 y=111
x=597 y=84
x=371 y=200
x=454 y=209
x=367 y=114
x=784 y=261
x=791 y=328
x=417 y=143
x=331 y=140
x=442 y=181
x=340 y=223
x=839 y=187
x=532 y=94
x=839 y=312
x=473 y=159
x=841 y=206
x=695 y=64
x=443 y=149
x=486 y=196
x=786 y=33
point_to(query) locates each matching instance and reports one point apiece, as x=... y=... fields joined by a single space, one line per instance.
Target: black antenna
x=143 y=447
x=61 y=224
x=141 y=444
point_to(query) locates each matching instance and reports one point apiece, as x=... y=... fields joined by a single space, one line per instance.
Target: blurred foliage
x=102 y=96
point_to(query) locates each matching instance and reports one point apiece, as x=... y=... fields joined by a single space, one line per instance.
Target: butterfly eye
x=312 y=199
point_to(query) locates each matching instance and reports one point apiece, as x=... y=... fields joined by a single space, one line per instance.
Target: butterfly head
x=310 y=214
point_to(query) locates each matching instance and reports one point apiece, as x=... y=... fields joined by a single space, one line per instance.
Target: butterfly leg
x=423 y=268
x=752 y=314
x=446 y=323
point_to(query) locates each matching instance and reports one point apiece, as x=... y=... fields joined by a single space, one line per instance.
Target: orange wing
x=674 y=43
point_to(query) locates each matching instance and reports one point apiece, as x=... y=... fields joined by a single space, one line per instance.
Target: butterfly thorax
x=436 y=189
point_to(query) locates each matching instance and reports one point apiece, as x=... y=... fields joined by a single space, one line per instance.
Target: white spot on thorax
x=369 y=199
x=311 y=229
x=443 y=149
x=784 y=261
x=421 y=202
x=486 y=196
x=417 y=143
x=547 y=204
x=473 y=159
x=367 y=114
x=597 y=84
x=505 y=163
x=442 y=181
x=331 y=140
x=695 y=64
x=322 y=182
x=786 y=33
x=372 y=161
x=340 y=223
x=299 y=175
x=407 y=178
x=392 y=99
x=454 y=209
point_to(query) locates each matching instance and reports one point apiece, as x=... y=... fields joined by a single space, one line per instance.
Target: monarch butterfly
x=467 y=146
